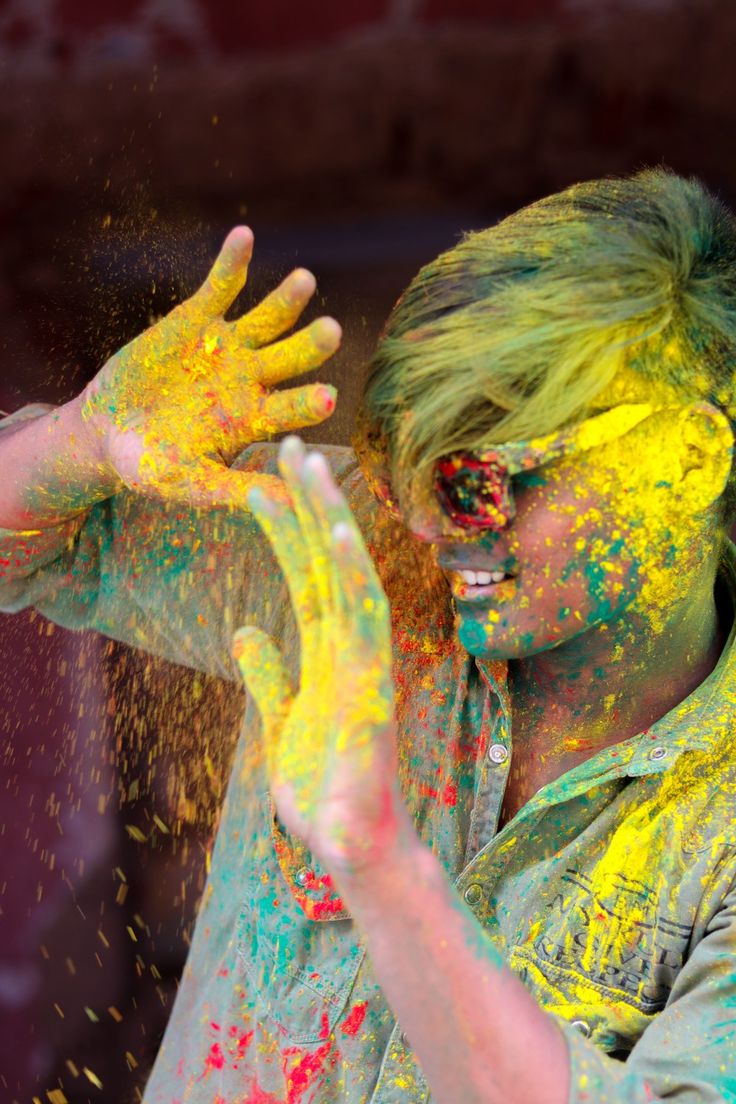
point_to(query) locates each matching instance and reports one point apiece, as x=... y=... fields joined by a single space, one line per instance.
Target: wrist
x=88 y=435
x=382 y=872
x=65 y=468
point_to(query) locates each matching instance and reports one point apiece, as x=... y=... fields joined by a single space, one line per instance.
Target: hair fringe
x=515 y=331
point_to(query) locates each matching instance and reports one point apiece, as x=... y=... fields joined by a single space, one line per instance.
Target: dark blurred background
x=359 y=139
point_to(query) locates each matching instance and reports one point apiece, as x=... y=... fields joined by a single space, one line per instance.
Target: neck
x=615 y=680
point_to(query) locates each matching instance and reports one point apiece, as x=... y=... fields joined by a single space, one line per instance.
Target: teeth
x=482 y=578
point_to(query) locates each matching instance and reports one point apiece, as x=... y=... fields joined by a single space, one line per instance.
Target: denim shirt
x=611 y=894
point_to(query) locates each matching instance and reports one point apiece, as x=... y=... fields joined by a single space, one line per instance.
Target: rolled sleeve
x=26 y=553
x=688 y=1053
x=171 y=579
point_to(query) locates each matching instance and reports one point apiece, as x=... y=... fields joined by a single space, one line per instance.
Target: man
x=490 y=864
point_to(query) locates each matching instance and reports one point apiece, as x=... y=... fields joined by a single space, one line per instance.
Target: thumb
x=205 y=482
x=266 y=679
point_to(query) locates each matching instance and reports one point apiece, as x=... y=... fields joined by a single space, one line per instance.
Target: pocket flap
x=311 y=886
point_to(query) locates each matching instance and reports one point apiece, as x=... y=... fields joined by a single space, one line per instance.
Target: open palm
x=330 y=747
x=178 y=403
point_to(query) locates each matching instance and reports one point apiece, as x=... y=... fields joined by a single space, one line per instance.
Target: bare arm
x=479 y=1034
x=53 y=468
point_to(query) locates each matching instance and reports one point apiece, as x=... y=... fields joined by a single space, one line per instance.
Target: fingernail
x=315 y=463
x=326 y=333
x=341 y=533
x=291 y=450
x=302 y=285
x=323 y=399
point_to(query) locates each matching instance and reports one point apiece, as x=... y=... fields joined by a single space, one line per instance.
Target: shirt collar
x=699 y=722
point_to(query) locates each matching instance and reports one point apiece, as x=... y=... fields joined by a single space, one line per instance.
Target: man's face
x=595 y=534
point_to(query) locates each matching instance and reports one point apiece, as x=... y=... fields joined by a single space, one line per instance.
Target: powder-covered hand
x=175 y=406
x=330 y=747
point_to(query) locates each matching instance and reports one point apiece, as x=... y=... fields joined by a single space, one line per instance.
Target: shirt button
x=303 y=876
x=582 y=1026
x=658 y=753
x=473 y=894
x=498 y=754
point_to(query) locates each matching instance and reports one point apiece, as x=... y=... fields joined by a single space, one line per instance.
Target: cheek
x=577 y=554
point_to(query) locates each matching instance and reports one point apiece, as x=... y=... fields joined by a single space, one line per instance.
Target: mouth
x=474 y=586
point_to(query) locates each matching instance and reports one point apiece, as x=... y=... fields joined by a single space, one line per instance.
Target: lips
x=478 y=584
x=502 y=569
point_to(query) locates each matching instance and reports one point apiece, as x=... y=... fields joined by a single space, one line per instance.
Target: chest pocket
x=606 y=956
x=297 y=944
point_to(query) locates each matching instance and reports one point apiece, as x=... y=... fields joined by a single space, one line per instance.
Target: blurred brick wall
x=135 y=132
x=357 y=137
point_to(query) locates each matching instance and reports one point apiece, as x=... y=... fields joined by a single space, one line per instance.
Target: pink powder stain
x=215 y=1059
x=354 y=1019
x=257 y=1095
x=302 y=1074
x=317 y=910
x=243 y=1042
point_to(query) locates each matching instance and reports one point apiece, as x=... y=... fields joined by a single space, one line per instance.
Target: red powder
x=300 y=1077
x=258 y=1096
x=354 y=1019
x=215 y=1059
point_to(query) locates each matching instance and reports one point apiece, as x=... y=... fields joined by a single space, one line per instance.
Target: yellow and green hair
x=520 y=329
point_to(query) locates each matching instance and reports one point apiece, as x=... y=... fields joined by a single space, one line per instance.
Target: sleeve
x=169 y=579
x=688 y=1053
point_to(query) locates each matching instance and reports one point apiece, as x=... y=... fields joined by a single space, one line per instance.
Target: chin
x=492 y=642
x=478 y=641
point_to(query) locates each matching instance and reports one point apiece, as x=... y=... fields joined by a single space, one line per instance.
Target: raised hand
x=330 y=747
x=175 y=406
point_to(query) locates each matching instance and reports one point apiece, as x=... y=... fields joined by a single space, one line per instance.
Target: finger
x=278 y=312
x=281 y=528
x=356 y=586
x=292 y=455
x=362 y=590
x=285 y=411
x=302 y=352
x=228 y=274
x=266 y=680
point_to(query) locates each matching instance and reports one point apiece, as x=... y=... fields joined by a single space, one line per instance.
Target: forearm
x=52 y=467
x=478 y=1034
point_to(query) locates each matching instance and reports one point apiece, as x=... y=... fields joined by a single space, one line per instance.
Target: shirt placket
x=400 y=1079
x=492 y=772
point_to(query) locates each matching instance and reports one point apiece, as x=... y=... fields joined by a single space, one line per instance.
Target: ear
x=706 y=444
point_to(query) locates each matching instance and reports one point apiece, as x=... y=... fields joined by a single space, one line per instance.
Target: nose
x=432 y=526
